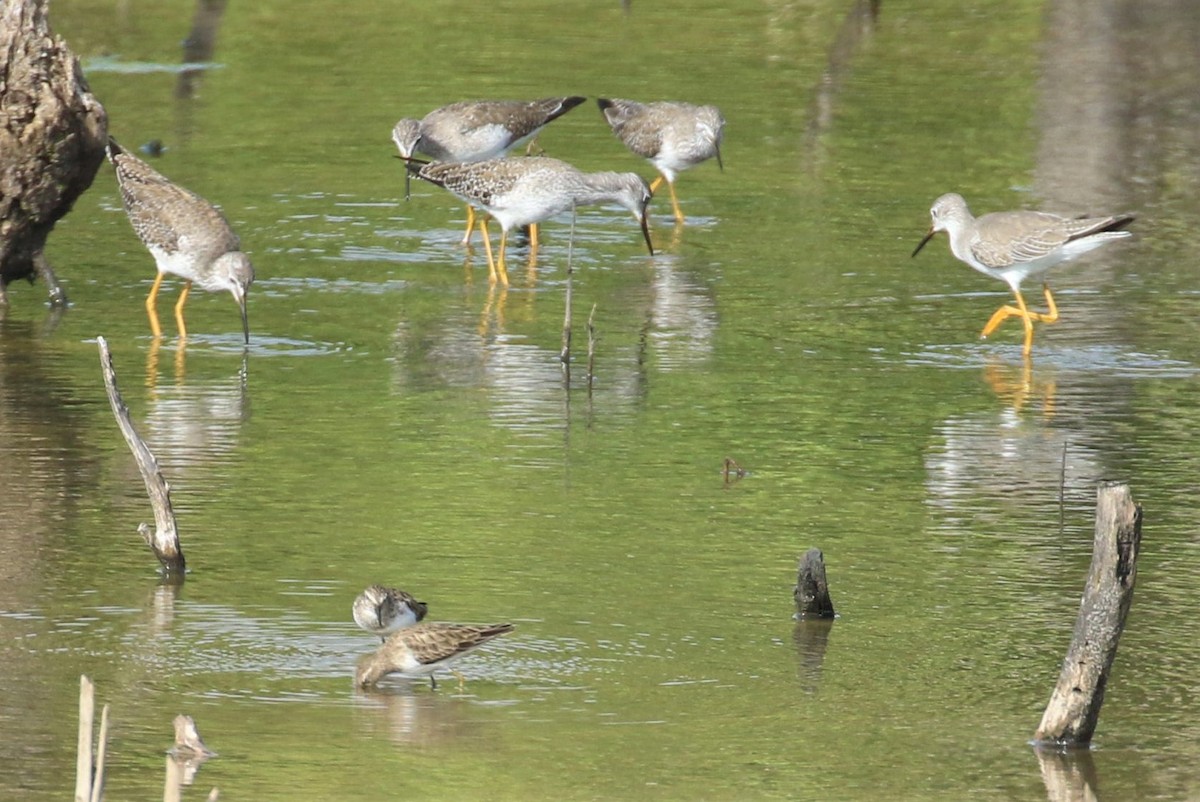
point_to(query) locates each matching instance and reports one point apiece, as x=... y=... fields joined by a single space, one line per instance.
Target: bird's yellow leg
x=1052 y=315
x=675 y=203
x=1028 y=321
x=533 y=144
x=1000 y=315
x=500 y=268
x=655 y=184
x=152 y=304
x=533 y=237
x=179 y=308
x=487 y=246
x=466 y=240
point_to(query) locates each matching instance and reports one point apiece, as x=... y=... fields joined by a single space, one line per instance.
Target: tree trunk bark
x=1070 y=717
x=52 y=136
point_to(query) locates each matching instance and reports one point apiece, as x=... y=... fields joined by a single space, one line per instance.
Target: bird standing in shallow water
x=1011 y=246
x=519 y=192
x=672 y=135
x=382 y=610
x=419 y=651
x=184 y=233
x=478 y=130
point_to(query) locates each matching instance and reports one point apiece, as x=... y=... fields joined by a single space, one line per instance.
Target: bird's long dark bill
x=719 y=162
x=921 y=244
x=407 y=175
x=245 y=320
x=646 y=234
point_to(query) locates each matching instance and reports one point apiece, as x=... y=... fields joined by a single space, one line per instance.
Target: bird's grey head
x=947 y=212
x=233 y=272
x=406 y=134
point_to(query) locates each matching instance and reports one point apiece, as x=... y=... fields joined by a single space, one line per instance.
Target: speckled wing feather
x=478 y=182
x=634 y=125
x=164 y=213
x=521 y=118
x=433 y=643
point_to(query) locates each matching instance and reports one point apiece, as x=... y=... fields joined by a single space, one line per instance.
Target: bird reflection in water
x=1018 y=385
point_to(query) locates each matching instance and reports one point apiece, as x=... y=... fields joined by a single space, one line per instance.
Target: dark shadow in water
x=199 y=46
x=852 y=36
x=811 y=637
x=39 y=417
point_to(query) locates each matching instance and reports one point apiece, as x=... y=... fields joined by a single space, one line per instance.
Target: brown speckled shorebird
x=1011 y=246
x=478 y=130
x=382 y=610
x=518 y=192
x=673 y=136
x=419 y=651
x=184 y=233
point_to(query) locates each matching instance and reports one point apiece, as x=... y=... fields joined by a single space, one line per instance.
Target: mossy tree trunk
x=52 y=135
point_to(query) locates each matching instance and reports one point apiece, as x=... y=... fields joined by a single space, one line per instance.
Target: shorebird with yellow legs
x=1012 y=246
x=478 y=130
x=672 y=135
x=520 y=192
x=187 y=236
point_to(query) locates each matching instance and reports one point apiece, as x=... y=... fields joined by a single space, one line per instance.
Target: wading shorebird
x=1012 y=246
x=187 y=236
x=478 y=130
x=419 y=651
x=382 y=610
x=672 y=135
x=518 y=192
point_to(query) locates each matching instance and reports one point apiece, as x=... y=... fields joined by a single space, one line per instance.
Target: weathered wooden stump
x=1070 y=717
x=812 y=590
x=52 y=135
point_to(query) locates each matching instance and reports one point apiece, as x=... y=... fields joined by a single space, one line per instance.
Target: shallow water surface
x=397 y=419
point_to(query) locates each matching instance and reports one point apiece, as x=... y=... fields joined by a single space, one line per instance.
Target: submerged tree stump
x=1070 y=717
x=812 y=590
x=52 y=135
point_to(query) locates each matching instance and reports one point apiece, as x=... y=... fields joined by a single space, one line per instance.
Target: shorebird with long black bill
x=187 y=236
x=519 y=192
x=1012 y=246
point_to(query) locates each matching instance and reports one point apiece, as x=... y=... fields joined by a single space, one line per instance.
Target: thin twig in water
x=564 y=355
x=164 y=538
x=591 y=330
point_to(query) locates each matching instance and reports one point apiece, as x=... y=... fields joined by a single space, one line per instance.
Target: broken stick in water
x=1070 y=717
x=812 y=590
x=164 y=539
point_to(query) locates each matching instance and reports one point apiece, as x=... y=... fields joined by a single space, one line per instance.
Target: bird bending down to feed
x=184 y=233
x=518 y=192
x=419 y=651
x=477 y=130
x=673 y=136
x=1012 y=246
x=382 y=610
